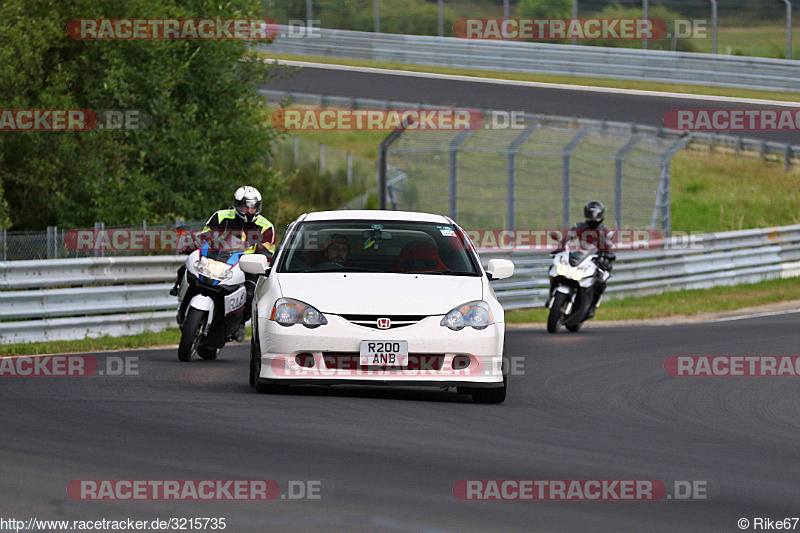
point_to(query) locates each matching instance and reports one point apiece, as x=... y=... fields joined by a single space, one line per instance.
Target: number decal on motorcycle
x=235 y=301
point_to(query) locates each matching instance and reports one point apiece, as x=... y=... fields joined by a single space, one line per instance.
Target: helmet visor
x=248 y=207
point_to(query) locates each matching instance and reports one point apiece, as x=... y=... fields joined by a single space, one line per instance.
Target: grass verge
x=148 y=339
x=685 y=302
x=547 y=78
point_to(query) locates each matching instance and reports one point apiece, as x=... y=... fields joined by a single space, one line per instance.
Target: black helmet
x=595 y=213
x=247 y=203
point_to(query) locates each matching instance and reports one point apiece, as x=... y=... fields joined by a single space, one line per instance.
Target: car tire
x=255 y=372
x=496 y=395
x=254 y=354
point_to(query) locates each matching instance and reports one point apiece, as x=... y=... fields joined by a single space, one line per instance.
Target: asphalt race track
x=592 y=405
x=642 y=109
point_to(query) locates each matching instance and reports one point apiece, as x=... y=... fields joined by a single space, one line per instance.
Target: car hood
x=395 y=294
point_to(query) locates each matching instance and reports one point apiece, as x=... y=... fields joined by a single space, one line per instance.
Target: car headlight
x=288 y=312
x=475 y=314
x=213 y=269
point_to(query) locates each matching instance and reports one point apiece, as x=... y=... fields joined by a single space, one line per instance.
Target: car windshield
x=379 y=246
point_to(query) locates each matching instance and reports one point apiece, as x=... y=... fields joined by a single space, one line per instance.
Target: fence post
x=787 y=157
x=788 y=28
x=714 y=24
x=308 y=12
x=4 y=236
x=349 y=169
x=663 y=199
x=296 y=151
x=453 y=195
x=383 y=151
x=645 y=12
x=50 y=239
x=566 y=176
x=574 y=16
x=618 y=160
x=511 y=192
x=441 y=18
x=321 y=158
x=99 y=251
x=376 y=15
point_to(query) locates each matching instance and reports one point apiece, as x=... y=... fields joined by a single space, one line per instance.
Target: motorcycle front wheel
x=190 y=334
x=556 y=310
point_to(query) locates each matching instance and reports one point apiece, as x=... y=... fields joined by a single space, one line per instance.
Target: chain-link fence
x=344 y=167
x=537 y=176
x=100 y=241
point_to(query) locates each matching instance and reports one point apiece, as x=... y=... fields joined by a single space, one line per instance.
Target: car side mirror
x=254 y=264
x=500 y=269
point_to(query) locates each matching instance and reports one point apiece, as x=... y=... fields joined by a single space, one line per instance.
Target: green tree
x=206 y=133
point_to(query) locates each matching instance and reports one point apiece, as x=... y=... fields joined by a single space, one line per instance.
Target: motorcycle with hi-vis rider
x=574 y=276
x=212 y=296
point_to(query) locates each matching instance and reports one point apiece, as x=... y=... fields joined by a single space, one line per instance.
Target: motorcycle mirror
x=183 y=229
x=554 y=235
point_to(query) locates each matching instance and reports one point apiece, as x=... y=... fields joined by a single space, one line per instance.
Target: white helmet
x=247 y=203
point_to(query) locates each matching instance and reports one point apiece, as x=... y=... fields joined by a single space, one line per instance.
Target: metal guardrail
x=67 y=299
x=586 y=61
x=119 y=296
x=752 y=146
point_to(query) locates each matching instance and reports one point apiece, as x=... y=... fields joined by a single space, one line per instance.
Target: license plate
x=384 y=353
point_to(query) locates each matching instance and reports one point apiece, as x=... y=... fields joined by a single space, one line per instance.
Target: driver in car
x=336 y=250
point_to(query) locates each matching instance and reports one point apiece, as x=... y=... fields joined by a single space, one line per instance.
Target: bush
x=206 y=135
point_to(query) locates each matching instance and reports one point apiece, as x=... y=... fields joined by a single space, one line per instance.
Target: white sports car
x=378 y=298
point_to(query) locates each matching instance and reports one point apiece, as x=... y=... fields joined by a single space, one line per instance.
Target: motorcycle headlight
x=580 y=273
x=562 y=269
x=213 y=269
x=288 y=312
x=474 y=314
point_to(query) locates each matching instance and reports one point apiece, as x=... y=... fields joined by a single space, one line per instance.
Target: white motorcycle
x=572 y=285
x=212 y=297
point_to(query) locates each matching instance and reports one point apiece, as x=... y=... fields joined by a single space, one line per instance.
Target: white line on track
x=756 y=315
x=542 y=85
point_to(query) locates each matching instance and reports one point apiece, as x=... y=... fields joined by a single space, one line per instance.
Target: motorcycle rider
x=594 y=213
x=245 y=222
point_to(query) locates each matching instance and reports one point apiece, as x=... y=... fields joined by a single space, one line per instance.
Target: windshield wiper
x=442 y=272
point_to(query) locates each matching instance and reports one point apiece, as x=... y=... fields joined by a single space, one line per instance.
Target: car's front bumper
x=335 y=346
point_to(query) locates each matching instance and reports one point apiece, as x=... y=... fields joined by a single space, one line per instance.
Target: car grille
x=340 y=361
x=371 y=321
